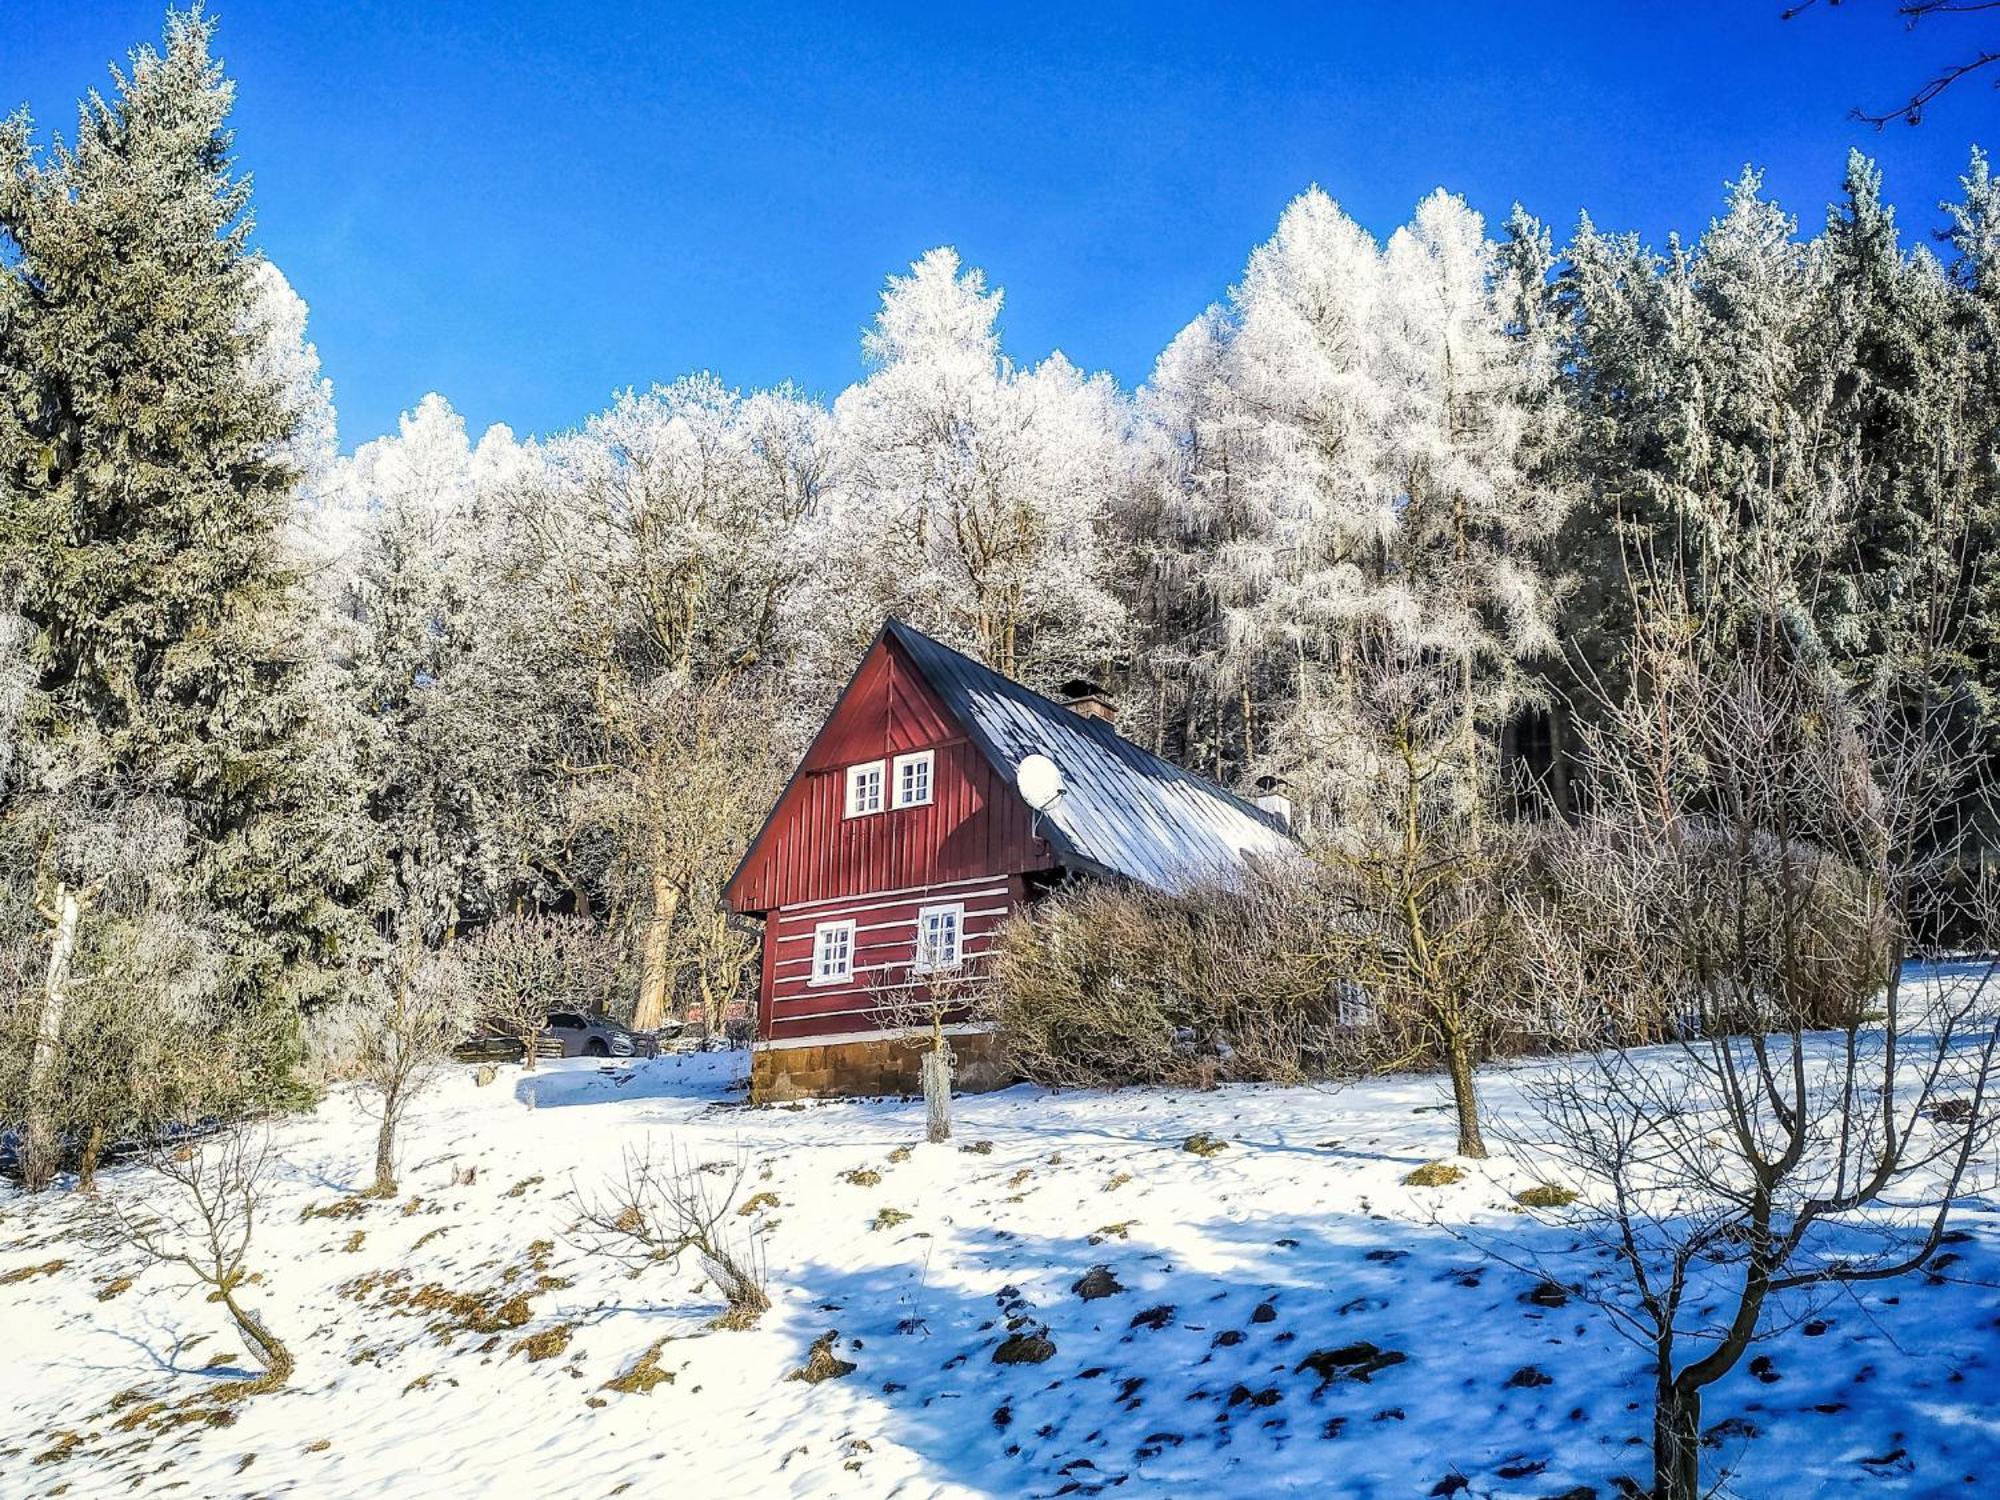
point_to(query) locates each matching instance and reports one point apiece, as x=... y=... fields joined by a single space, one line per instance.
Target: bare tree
x=919 y=1004
x=1914 y=12
x=1820 y=1108
x=519 y=968
x=655 y=1213
x=1423 y=870
x=421 y=1017
x=202 y=1217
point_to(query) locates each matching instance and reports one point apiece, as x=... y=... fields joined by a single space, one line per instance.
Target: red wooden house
x=902 y=842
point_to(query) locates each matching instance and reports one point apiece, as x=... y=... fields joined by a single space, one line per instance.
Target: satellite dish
x=1039 y=782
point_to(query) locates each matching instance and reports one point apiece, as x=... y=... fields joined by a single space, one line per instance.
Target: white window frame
x=823 y=949
x=857 y=779
x=921 y=961
x=928 y=760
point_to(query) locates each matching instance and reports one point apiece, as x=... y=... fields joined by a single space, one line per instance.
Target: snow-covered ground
x=1206 y=1371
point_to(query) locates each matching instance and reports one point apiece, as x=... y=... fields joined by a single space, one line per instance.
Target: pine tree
x=142 y=464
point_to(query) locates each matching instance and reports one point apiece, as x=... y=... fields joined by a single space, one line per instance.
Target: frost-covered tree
x=405 y=612
x=975 y=497
x=282 y=356
x=1304 y=576
x=658 y=556
x=145 y=488
x=1340 y=464
x=1465 y=579
x=1192 y=504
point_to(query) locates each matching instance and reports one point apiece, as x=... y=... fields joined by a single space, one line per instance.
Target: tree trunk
x=41 y=1151
x=652 y=1008
x=276 y=1358
x=1464 y=1095
x=385 y=1154
x=93 y=1153
x=935 y=1068
x=1676 y=1443
x=528 y=1045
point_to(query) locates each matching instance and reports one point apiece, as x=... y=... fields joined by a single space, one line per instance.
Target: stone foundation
x=871 y=1067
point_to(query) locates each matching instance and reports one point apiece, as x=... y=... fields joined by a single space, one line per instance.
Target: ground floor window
x=833 y=952
x=940 y=937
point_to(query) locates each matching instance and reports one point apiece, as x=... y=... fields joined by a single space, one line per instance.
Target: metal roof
x=1123 y=810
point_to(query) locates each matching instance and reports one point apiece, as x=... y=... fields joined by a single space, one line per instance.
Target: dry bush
x=654 y=1213
x=1112 y=984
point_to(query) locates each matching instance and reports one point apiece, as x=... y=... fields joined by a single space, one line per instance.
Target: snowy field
x=1223 y=1356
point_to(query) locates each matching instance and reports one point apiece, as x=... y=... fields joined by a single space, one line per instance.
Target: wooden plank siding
x=885 y=930
x=972 y=842
x=975 y=823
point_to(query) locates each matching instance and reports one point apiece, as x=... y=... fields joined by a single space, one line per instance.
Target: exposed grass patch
x=355 y=1241
x=116 y=1287
x=65 y=1444
x=1122 y=1230
x=1434 y=1174
x=449 y=1312
x=889 y=1218
x=861 y=1176
x=28 y=1273
x=639 y=1378
x=821 y=1362
x=900 y=1154
x=547 y=1344
x=1545 y=1195
x=520 y=1189
x=757 y=1201
x=1201 y=1143
x=1025 y=1349
x=340 y=1208
x=1116 y=1181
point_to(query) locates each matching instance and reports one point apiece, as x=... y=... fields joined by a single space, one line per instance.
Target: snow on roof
x=1123 y=811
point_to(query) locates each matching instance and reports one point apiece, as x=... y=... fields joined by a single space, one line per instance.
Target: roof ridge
x=1096 y=728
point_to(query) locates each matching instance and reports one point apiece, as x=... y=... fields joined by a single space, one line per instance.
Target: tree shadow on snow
x=1376 y=1357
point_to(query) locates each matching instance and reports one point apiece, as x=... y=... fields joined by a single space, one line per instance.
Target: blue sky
x=530 y=206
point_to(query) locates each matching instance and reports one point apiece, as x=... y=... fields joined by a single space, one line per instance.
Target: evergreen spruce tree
x=145 y=494
x=1898 y=379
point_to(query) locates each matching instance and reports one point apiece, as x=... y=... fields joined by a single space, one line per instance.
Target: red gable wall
x=975 y=824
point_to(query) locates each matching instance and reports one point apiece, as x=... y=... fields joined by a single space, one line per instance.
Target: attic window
x=864 y=789
x=913 y=778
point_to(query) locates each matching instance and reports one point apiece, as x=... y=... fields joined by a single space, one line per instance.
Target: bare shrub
x=200 y=1214
x=519 y=968
x=108 y=1021
x=655 y=1213
x=422 y=1014
x=1105 y=985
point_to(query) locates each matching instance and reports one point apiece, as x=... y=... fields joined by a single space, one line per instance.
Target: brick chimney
x=1086 y=699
